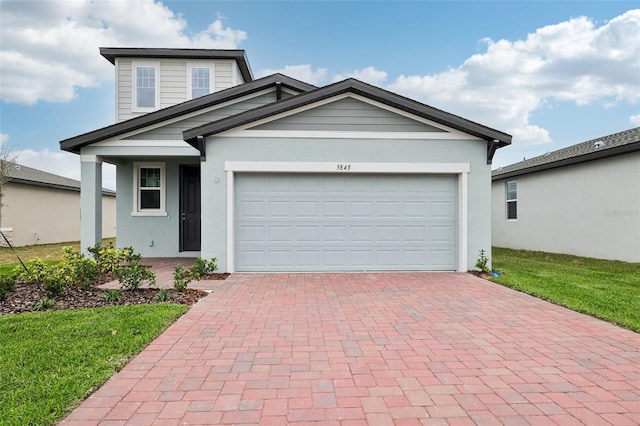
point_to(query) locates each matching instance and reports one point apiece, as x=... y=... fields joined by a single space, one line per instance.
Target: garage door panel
x=441 y=210
x=308 y=222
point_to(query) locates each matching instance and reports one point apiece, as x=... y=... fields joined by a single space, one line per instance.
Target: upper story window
x=200 y=82
x=512 y=200
x=149 y=189
x=145 y=87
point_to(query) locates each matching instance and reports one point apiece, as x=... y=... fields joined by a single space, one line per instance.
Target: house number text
x=343 y=167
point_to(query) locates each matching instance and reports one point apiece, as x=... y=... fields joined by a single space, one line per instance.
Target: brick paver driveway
x=405 y=348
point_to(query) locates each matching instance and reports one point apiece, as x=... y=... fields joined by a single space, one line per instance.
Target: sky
x=550 y=73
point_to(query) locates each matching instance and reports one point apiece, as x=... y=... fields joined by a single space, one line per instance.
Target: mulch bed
x=26 y=296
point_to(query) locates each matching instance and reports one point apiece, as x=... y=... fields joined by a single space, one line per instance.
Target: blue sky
x=552 y=73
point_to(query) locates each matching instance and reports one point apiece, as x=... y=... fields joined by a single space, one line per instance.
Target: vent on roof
x=17 y=166
x=598 y=144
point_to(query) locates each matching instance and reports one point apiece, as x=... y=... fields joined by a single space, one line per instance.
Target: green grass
x=606 y=289
x=43 y=251
x=51 y=361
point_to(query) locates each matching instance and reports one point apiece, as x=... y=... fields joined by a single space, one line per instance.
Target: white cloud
x=635 y=119
x=49 y=49
x=301 y=72
x=369 y=75
x=4 y=138
x=62 y=163
x=573 y=61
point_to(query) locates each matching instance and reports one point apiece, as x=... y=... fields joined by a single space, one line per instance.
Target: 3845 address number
x=343 y=167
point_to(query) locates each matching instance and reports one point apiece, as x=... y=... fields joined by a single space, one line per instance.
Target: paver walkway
x=355 y=349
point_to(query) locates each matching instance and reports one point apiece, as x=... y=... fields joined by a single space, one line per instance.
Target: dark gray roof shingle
x=18 y=173
x=602 y=147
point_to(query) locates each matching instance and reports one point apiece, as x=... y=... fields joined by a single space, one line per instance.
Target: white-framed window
x=149 y=188
x=512 y=200
x=146 y=83
x=200 y=78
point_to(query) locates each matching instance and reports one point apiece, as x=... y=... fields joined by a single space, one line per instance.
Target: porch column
x=90 y=201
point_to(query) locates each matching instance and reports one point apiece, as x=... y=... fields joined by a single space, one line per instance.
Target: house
x=274 y=174
x=38 y=207
x=582 y=200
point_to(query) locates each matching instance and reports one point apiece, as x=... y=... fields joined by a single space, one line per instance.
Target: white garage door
x=345 y=222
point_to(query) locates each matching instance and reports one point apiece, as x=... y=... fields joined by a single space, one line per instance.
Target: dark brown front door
x=189 y=208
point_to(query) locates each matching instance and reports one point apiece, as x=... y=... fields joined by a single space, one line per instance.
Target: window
x=512 y=200
x=146 y=88
x=149 y=190
x=200 y=81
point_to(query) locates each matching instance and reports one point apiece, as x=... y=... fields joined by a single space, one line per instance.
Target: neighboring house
x=39 y=207
x=582 y=200
x=278 y=175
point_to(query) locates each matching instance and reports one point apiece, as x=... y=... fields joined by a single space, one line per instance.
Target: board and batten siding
x=174 y=131
x=348 y=114
x=173 y=79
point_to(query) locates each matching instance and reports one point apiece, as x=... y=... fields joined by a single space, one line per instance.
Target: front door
x=189 y=208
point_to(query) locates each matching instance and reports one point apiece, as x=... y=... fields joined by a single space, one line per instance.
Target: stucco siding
x=214 y=177
x=153 y=236
x=174 y=131
x=590 y=209
x=41 y=215
x=348 y=114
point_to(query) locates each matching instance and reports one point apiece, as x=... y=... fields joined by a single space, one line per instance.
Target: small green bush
x=7 y=285
x=77 y=270
x=44 y=304
x=133 y=275
x=181 y=277
x=109 y=259
x=162 y=296
x=36 y=273
x=482 y=262
x=203 y=267
x=112 y=296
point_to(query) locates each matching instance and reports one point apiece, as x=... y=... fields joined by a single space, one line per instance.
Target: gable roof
x=76 y=143
x=496 y=138
x=111 y=53
x=594 y=149
x=17 y=173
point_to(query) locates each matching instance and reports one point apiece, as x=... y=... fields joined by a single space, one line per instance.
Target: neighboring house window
x=149 y=189
x=146 y=88
x=512 y=200
x=200 y=82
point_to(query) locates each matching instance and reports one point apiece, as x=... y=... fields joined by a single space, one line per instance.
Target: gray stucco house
x=37 y=207
x=274 y=174
x=582 y=200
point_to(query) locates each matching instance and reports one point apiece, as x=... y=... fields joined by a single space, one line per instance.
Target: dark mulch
x=25 y=297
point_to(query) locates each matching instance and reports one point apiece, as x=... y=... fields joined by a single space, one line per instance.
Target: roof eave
x=74 y=144
x=239 y=55
x=596 y=155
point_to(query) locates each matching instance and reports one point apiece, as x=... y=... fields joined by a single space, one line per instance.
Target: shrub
x=7 y=285
x=76 y=269
x=482 y=262
x=181 y=277
x=109 y=259
x=133 y=275
x=36 y=273
x=112 y=296
x=203 y=267
x=44 y=304
x=162 y=296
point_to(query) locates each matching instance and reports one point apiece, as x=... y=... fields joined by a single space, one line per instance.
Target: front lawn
x=606 y=289
x=47 y=252
x=50 y=361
